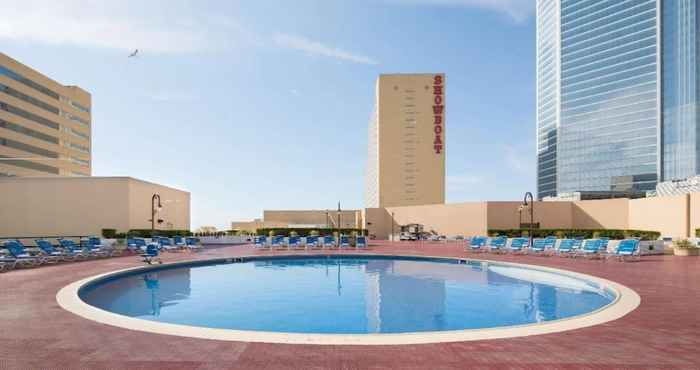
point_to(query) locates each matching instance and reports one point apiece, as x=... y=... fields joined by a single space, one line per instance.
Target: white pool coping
x=626 y=301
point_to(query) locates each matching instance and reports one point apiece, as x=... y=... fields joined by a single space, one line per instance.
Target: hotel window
x=76 y=119
x=19 y=78
x=29 y=132
x=30 y=165
x=27 y=148
x=30 y=116
x=26 y=98
x=77 y=147
x=82 y=162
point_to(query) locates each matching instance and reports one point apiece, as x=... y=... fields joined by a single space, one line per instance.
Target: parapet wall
x=675 y=217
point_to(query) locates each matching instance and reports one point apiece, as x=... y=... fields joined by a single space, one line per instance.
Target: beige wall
x=596 y=214
x=348 y=218
x=68 y=161
x=675 y=217
x=445 y=219
x=404 y=167
x=668 y=215
x=56 y=206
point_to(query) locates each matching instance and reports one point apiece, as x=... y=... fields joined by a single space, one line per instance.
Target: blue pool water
x=347 y=295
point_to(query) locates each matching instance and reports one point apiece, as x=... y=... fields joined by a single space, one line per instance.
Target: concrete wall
x=56 y=206
x=504 y=215
x=444 y=219
x=675 y=217
x=596 y=214
x=348 y=218
x=668 y=215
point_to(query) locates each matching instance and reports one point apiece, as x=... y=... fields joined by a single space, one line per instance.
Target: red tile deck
x=662 y=333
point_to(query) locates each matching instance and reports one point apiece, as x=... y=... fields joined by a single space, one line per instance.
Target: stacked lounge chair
x=294 y=242
x=261 y=242
x=361 y=242
x=344 y=241
x=311 y=242
x=329 y=241
x=50 y=252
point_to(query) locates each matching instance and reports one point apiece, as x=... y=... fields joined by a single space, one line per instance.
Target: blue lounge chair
x=71 y=247
x=50 y=252
x=566 y=248
x=294 y=242
x=329 y=241
x=497 y=244
x=344 y=241
x=538 y=247
x=152 y=253
x=311 y=242
x=277 y=242
x=92 y=248
x=179 y=242
x=193 y=244
x=361 y=242
x=136 y=244
x=261 y=242
x=165 y=244
x=591 y=248
x=477 y=243
x=626 y=248
x=517 y=245
x=23 y=258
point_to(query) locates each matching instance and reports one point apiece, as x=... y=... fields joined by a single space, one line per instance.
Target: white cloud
x=151 y=26
x=518 y=10
x=316 y=48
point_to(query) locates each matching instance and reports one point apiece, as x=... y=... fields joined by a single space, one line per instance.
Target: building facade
x=616 y=94
x=45 y=127
x=406 y=144
x=78 y=206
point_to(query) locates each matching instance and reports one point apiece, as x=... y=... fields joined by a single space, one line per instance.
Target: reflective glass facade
x=680 y=89
x=606 y=132
x=547 y=95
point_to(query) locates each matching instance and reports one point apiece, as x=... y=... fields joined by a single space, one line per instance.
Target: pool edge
x=626 y=301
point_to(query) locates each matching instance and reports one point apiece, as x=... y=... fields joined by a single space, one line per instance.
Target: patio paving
x=662 y=333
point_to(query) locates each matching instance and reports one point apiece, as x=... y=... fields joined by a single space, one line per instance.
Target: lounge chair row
x=309 y=242
x=17 y=254
x=164 y=244
x=590 y=248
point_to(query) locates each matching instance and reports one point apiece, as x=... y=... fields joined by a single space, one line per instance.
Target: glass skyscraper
x=617 y=90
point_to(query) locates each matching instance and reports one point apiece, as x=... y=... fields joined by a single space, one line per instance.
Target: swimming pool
x=347 y=295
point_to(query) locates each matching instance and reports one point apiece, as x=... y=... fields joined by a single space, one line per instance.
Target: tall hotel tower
x=45 y=127
x=617 y=94
x=406 y=148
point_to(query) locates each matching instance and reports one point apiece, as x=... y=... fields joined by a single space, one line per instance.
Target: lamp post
x=520 y=216
x=154 y=211
x=338 y=219
x=392 y=226
x=532 y=212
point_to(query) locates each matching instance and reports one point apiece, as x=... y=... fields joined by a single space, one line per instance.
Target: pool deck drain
x=663 y=332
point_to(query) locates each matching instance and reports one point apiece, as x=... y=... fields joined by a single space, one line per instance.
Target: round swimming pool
x=347 y=294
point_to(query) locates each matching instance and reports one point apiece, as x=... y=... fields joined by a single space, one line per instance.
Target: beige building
x=45 y=127
x=406 y=144
x=351 y=219
x=672 y=216
x=78 y=206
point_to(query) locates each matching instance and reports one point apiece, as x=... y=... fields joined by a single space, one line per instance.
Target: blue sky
x=254 y=105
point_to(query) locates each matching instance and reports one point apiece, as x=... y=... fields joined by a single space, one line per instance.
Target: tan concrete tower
x=406 y=146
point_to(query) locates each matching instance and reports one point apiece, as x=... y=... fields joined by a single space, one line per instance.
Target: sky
x=253 y=105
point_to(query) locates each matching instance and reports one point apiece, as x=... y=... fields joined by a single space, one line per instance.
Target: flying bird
x=134 y=53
